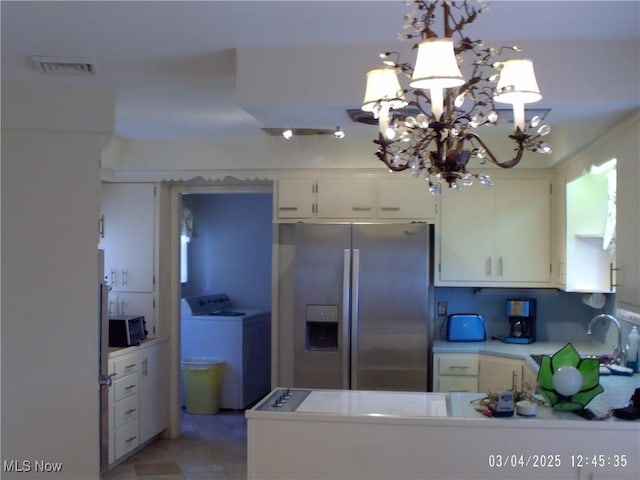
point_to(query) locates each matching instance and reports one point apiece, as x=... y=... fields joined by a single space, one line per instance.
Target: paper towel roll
x=594 y=300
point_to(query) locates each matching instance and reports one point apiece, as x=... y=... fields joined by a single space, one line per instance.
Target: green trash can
x=202 y=381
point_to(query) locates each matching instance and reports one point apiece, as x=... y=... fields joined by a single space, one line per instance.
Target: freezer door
x=389 y=307
x=321 y=324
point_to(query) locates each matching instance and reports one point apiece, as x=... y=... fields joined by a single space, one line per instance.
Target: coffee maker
x=522 y=320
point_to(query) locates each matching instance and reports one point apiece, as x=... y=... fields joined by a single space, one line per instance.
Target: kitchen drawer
x=125 y=387
x=127 y=438
x=126 y=365
x=125 y=410
x=458 y=364
x=457 y=383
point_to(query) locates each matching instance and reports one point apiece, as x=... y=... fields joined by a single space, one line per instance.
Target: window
x=184 y=258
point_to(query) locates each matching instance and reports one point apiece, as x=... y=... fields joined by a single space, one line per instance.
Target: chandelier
x=429 y=128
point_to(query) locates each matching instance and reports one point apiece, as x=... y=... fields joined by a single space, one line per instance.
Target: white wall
x=270 y=157
x=50 y=194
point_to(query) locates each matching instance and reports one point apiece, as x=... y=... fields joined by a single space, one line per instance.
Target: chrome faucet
x=619 y=352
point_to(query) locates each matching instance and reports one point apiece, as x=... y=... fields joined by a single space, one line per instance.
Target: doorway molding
x=177 y=190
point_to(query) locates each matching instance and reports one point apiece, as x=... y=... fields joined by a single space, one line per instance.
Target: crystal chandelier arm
x=467 y=18
x=519 y=139
x=383 y=155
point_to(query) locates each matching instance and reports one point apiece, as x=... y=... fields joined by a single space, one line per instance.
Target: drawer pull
x=129 y=412
x=361 y=209
x=129 y=387
x=289 y=209
x=459 y=366
x=390 y=209
x=131 y=365
x=130 y=439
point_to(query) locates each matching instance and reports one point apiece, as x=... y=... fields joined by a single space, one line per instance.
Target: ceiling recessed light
x=287 y=134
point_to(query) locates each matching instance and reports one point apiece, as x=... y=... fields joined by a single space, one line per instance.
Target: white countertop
x=354 y=402
x=617 y=393
x=617 y=389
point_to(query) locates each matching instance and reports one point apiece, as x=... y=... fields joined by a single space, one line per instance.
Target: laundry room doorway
x=222 y=245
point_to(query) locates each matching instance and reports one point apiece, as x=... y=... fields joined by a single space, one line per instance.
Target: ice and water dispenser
x=321 y=328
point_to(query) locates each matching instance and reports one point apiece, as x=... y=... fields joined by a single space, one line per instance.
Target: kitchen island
x=342 y=434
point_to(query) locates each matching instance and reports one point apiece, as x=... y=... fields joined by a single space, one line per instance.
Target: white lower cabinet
x=455 y=372
x=138 y=397
x=124 y=433
x=127 y=438
x=344 y=446
x=471 y=372
x=125 y=411
x=154 y=414
x=500 y=373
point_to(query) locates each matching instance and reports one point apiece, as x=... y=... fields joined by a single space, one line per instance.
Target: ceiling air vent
x=64 y=66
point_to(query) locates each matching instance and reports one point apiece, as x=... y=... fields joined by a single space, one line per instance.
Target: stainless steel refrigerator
x=361 y=306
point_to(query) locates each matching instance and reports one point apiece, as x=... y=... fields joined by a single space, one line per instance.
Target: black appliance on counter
x=522 y=320
x=127 y=330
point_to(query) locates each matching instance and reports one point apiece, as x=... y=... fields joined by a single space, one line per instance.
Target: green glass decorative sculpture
x=567 y=381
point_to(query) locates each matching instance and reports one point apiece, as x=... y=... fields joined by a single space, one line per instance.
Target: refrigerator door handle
x=355 y=298
x=346 y=294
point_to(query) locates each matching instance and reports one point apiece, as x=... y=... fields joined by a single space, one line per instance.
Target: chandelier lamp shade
x=430 y=126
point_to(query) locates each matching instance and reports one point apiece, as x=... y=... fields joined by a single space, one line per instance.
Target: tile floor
x=211 y=447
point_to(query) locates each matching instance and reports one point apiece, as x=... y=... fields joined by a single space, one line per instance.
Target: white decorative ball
x=567 y=381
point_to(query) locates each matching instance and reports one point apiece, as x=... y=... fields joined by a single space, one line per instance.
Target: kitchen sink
x=603 y=358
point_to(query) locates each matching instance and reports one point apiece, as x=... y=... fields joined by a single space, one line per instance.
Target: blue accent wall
x=560 y=315
x=231 y=252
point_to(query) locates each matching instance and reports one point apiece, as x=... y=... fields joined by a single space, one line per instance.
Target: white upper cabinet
x=588 y=219
x=467 y=234
x=559 y=229
x=345 y=198
x=128 y=240
x=627 y=276
x=353 y=198
x=588 y=263
x=496 y=236
x=523 y=230
x=295 y=198
x=406 y=199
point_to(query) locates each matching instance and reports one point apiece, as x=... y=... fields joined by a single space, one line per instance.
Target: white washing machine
x=212 y=328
